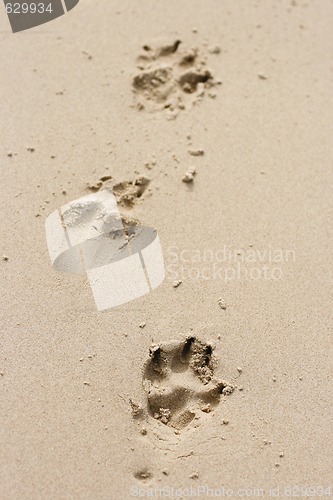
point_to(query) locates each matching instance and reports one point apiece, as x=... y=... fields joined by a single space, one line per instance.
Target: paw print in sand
x=180 y=384
x=171 y=78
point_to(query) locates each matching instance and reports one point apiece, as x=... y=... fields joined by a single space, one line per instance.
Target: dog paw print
x=171 y=78
x=180 y=384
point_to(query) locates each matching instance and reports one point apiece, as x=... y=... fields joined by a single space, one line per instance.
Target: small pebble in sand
x=163 y=415
x=165 y=472
x=281 y=454
x=150 y=164
x=225 y=422
x=239 y=369
x=277 y=464
x=241 y=388
x=10 y=154
x=176 y=283
x=194 y=475
x=262 y=77
x=214 y=49
x=229 y=389
x=189 y=176
x=222 y=303
x=142 y=325
x=30 y=149
x=206 y=408
x=274 y=378
x=4 y=257
x=143 y=431
x=86 y=383
x=196 y=152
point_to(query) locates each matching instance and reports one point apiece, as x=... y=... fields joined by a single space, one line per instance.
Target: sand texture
x=211 y=123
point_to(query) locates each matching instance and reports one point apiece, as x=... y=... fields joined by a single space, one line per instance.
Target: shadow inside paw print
x=179 y=382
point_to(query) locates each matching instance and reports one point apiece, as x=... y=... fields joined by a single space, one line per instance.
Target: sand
x=221 y=377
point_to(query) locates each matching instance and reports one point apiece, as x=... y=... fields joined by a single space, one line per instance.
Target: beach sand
x=247 y=244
